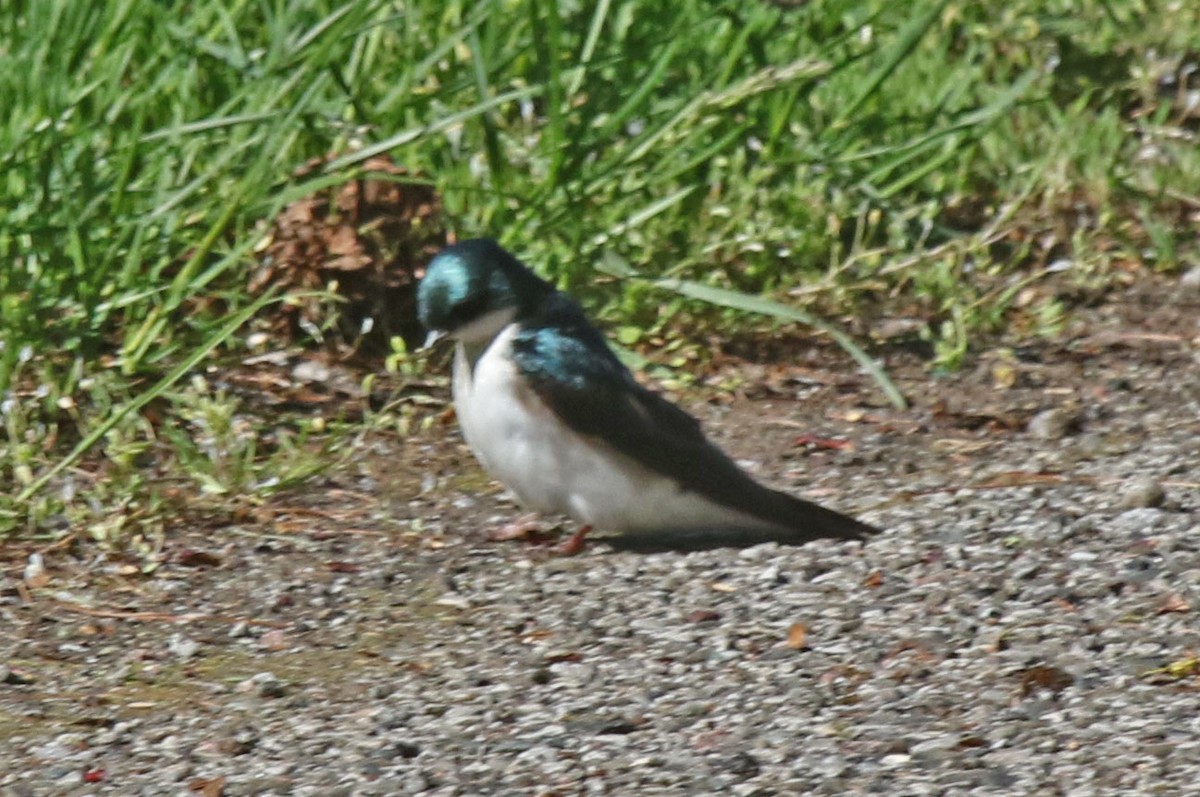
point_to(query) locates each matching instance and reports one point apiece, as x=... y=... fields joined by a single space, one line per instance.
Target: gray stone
x=1053 y=424
x=1143 y=493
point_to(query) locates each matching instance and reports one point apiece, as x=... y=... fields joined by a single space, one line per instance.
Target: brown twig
x=160 y=617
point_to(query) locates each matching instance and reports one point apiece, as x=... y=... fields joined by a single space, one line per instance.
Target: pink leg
x=576 y=543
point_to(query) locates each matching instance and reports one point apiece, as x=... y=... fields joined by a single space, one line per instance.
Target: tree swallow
x=550 y=411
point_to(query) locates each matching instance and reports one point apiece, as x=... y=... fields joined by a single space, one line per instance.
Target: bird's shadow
x=702 y=539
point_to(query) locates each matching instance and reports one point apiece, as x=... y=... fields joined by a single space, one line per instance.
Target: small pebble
x=182 y=647
x=1190 y=281
x=265 y=684
x=1053 y=424
x=311 y=371
x=1143 y=493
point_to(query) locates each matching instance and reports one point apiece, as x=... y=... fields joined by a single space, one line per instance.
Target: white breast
x=552 y=469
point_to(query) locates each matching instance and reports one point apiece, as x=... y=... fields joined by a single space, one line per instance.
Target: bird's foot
x=576 y=543
x=529 y=529
x=526 y=527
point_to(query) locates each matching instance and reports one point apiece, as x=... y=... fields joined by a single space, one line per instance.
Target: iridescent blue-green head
x=475 y=288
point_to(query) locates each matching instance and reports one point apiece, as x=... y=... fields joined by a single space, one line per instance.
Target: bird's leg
x=576 y=543
x=519 y=529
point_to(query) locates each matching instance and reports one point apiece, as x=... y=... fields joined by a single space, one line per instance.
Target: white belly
x=552 y=469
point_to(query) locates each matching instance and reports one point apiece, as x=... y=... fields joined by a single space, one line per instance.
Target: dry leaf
x=1065 y=605
x=1182 y=668
x=823 y=443
x=367 y=239
x=208 y=787
x=191 y=558
x=37 y=580
x=1043 y=677
x=1174 y=603
x=874 y=579
x=1018 y=478
x=1004 y=375
x=797 y=636
x=275 y=640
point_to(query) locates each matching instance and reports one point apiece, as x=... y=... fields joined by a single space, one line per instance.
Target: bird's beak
x=432 y=338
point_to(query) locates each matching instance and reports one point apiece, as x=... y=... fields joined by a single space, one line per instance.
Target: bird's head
x=473 y=289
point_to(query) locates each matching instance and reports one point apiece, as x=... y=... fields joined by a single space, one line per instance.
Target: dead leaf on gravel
x=956 y=446
x=1018 y=478
x=1174 y=603
x=974 y=418
x=797 y=636
x=192 y=558
x=1183 y=668
x=1065 y=605
x=208 y=787
x=274 y=640
x=874 y=579
x=1052 y=679
x=823 y=443
x=1004 y=375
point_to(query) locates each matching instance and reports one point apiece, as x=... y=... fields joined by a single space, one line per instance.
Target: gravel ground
x=1026 y=625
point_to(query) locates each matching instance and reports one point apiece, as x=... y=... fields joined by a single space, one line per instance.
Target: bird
x=549 y=410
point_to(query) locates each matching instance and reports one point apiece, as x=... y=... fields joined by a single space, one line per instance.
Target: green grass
x=835 y=156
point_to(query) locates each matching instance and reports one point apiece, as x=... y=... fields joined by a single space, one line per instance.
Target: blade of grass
x=547 y=43
x=497 y=163
x=910 y=37
x=438 y=126
x=589 y=47
x=725 y=99
x=974 y=126
x=651 y=210
x=734 y=300
x=205 y=125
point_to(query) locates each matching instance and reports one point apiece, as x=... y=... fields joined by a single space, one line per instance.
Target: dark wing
x=572 y=369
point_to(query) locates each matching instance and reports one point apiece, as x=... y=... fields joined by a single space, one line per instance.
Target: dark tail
x=786 y=520
x=803 y=519
x=813 y=521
